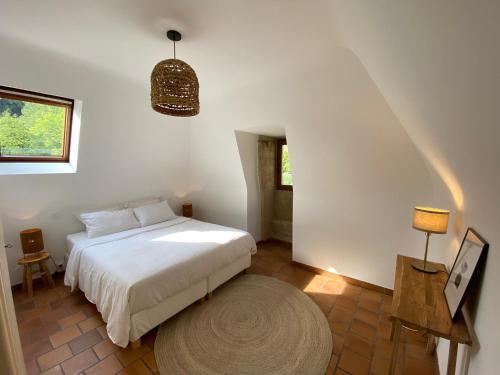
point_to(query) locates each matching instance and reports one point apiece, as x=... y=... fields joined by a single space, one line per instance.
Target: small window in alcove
x=284 y=180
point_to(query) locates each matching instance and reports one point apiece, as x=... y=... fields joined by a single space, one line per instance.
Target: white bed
x=140 y=277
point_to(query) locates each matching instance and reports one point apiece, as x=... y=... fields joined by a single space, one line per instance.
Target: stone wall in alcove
x=276 y=205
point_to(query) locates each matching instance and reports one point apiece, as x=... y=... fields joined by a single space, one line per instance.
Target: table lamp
x=187 y=210
x=32 y=241
x=429 y=220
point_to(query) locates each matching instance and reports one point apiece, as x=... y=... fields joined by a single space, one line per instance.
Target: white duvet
x=126 y=272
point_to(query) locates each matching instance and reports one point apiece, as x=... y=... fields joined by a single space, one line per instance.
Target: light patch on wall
x=21 y=213
x=448 y=178
x=416 y=128
x=180 y=194
x=332 y=270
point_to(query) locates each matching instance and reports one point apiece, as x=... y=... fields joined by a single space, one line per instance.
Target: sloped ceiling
x=438 y=66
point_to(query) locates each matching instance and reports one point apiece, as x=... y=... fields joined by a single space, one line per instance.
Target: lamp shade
x=175 y=89
x=32 y=240
x=431 y=220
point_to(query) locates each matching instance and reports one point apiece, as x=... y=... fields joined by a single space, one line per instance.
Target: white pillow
x=142 y=202
x=85 y=211
x=154 y=213
x=100 y=223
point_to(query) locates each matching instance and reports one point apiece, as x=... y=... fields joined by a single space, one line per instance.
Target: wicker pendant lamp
x=174 y=86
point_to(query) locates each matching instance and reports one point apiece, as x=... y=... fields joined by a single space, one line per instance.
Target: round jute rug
x=253 y=325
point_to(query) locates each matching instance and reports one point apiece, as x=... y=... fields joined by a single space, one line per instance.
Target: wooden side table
x=419 y=303
x=187 y=210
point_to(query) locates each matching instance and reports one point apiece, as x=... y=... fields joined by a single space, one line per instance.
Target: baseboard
x=350 y=280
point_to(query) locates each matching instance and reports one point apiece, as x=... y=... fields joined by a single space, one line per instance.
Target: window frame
x=47 y=99
x=279 y=154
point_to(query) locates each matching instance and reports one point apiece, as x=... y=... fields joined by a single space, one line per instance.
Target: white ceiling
x=229 y=43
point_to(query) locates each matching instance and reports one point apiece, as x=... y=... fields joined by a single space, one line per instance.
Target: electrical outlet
x=60 y=266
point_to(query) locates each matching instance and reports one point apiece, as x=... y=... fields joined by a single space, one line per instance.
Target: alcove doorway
x=269 y=180
x=276 y=189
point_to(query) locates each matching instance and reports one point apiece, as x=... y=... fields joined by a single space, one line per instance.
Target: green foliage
x=13 y=106
x=39 y=130
x=286 y=171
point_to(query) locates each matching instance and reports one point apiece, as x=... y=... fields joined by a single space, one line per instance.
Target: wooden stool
x=32 y=244
x=28 y=261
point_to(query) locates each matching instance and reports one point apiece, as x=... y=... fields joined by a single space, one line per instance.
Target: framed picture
x=472 y=253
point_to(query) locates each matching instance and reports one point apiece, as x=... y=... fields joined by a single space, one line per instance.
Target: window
x=34 y=127
x=283 y=171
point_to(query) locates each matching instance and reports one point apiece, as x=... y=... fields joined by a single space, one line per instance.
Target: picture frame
x=463 y=274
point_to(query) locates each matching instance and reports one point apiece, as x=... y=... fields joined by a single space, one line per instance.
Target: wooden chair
x=33 y=249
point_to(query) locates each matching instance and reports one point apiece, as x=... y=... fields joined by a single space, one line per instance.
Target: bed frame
x=145 y=320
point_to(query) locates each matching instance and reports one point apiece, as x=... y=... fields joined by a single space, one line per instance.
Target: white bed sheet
x=127 y=272
x=75 y=239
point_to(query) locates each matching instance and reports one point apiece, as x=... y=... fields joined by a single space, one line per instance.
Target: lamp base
x=419 y=266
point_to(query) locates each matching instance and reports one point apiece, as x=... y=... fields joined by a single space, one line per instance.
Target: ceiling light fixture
x=174 y=85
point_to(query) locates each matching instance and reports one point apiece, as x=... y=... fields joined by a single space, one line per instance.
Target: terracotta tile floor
x=62 y=333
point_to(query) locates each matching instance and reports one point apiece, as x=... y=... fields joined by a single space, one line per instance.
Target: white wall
x=357 y=175
x=248 y=148
x=127 y=150
x=437 y=63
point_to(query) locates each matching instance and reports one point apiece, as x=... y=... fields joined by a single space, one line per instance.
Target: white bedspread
x=124 y=273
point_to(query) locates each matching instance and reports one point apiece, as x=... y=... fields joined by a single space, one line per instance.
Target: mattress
x=131 y=271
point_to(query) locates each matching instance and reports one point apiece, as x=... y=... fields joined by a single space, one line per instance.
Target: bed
x=140 y=277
